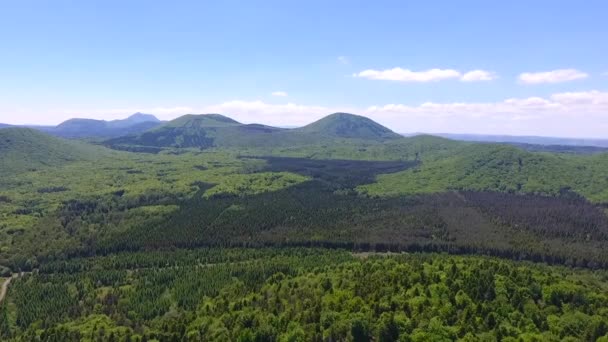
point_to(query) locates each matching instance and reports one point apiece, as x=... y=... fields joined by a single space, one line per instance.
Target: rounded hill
x=345 y=125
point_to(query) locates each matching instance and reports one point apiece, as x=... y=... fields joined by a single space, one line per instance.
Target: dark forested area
x=565 y=230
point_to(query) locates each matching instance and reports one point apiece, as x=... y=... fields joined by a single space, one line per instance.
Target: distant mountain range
x=92 y=128
x=206 y=130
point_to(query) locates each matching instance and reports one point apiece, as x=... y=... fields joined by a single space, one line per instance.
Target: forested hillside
x=213 y=130
x=27 y=150
x=500 y=168
x=346 y=125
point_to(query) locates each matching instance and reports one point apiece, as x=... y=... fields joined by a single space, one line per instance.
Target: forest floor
x=4 y=288
x=6 y=283
x=365 y=255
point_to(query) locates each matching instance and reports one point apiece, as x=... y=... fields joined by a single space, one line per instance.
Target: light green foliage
x=251 y=184
x=308 y=295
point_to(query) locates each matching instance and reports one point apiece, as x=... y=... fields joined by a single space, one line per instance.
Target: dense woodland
x=205 y=229
x=304 y=295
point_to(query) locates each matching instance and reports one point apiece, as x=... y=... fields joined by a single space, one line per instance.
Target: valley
x=467 y=241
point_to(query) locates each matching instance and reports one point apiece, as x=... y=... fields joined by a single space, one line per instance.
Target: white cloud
x=555 y=76
x=287 y=114
x=478 y=75
x=279 y=93
x=406 y=75
x=343 y=60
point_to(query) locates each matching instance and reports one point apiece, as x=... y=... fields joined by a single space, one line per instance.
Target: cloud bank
x=431 y=75
x=567 y=114
x=555 y=76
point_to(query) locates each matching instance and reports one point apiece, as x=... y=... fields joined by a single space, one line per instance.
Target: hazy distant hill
x=91 y=128
x=533 y=140
x=133 y=120
x=576 y=149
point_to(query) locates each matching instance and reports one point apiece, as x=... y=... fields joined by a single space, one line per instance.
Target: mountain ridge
x=87 y=128
x=216 y=130
x=80 y=128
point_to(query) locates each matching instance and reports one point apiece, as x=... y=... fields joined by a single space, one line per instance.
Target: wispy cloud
x=478 y=75
x=430 y=75
x=279 y=93
x=406 y=75
x=343 y=60
x=554 y=76
x=118 y=113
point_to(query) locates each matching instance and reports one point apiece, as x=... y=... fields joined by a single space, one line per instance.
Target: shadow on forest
x=336 y=173
x=323 y=212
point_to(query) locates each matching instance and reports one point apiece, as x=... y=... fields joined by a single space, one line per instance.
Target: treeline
x=176 y=258
x=311 y=295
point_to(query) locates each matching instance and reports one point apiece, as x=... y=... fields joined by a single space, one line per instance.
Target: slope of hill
x=502 y=168
x=344 y=125
x=26 y=149
x=186 y=131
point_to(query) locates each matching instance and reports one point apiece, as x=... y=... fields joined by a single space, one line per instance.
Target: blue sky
x=537 y=66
